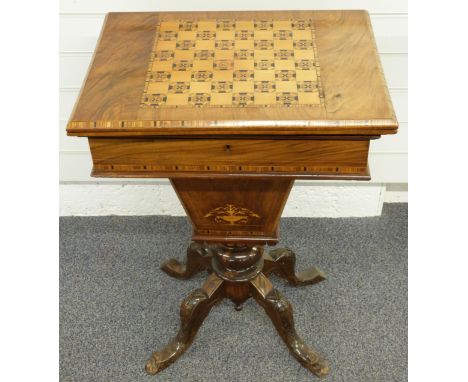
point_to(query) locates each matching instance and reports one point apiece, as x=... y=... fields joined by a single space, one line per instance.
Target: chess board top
x=242 y=73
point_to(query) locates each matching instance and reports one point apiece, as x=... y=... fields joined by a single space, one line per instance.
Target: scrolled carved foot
x=282 y=262
x=173 y=350
x=311 y=360
x=281 y=314
x=197 y=260
x=193 y=312
x=152 y=366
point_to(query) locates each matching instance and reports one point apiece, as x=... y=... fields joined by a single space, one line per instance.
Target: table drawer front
x=229 y=155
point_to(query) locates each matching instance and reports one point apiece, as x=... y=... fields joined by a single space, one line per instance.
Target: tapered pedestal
x=233 y=219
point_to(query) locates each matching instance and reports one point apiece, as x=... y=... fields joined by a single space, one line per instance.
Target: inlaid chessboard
x=233 y=63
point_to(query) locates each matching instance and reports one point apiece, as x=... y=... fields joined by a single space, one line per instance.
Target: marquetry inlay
x=230 y=214
x=233 y=63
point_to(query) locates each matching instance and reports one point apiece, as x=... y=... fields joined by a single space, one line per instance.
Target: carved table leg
x=197 y=260
x=237 y=275
x=280 y=312
x=282 y=263
x=193 y=312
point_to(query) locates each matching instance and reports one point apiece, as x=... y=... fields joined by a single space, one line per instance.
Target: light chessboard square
x=233 y=63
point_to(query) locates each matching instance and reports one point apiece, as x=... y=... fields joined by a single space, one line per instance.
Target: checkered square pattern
x=233 y=63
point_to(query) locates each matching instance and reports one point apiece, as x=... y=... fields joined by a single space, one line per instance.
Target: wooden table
x=232 y=107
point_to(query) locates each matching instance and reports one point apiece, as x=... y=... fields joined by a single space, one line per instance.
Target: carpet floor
x=116 y=306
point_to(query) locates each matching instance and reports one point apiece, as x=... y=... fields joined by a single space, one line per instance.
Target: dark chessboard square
x=263 y=24
x=284 y=54
x=188 y=25
x=225 y=25
x=303 y=44
x=164 y=55
x=204 y=54
x=155 y=99
x=264 y=86
x=201 y=75
x=244 y=35
x=285 y=75
x=221 y=86
x=160 y=76
x=282 y=35
x=179 y=87
x=206 y=35
x=304 y=64
x=286 y=99
x=185 y=45
x=242 y=99
x=224 y=44
x=263 y=44
x=167 y=35
x=199 y=99
x=182 y=65
x=223 y=65
x=244 y=54
x=264 y=64
x=301 y=24
x=307 y=86
x=243 y=75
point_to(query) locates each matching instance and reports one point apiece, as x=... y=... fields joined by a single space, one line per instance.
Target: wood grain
x=169 y=157
x=356 y=97
x=257 y=205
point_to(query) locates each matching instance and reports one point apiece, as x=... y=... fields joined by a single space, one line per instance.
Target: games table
x=232 y=107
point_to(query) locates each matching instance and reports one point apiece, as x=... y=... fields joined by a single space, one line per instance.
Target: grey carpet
x=116 y=306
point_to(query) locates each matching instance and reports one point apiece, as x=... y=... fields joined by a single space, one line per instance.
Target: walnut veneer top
x=235 y=73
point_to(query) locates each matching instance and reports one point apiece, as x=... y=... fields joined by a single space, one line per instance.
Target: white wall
x=80 y=24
